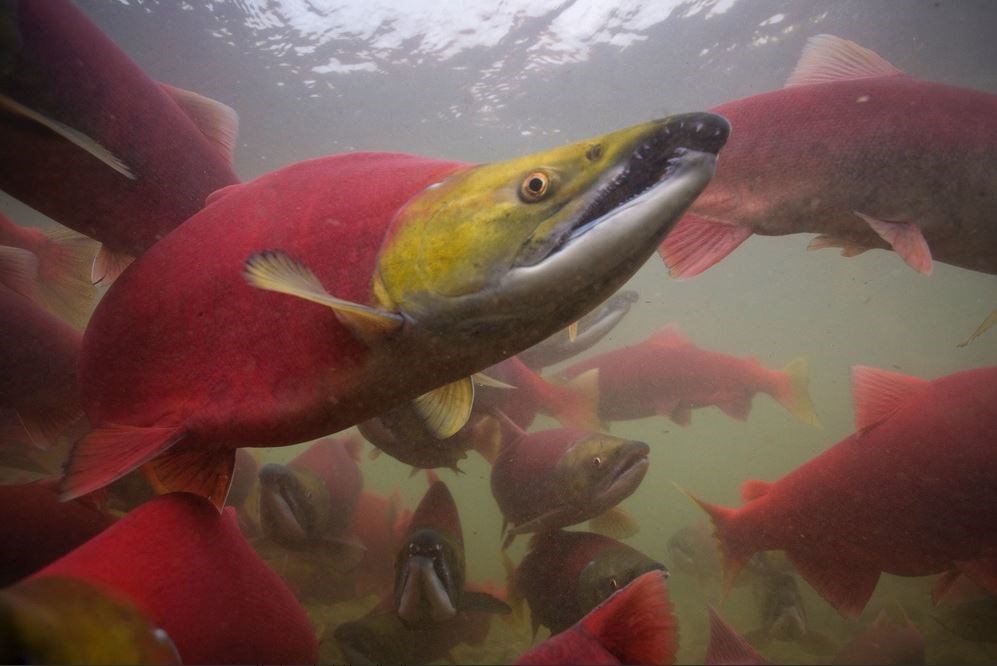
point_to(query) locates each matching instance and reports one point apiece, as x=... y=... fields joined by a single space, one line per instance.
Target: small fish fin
x=354 y=447
x=219 y=123
x=65 y=284
x=680 y=415
x=346 y=552
x=107 y=453
x=204 y=472
x=696 y=243
x=108 y=265
x=983 y=572
x=18 y=270
x=793 y=391
x=221 y=192
x=848 y=248
x=829 y=58
x=943 y=585
x=483 y=603
x=637 y=623
x=726 y=646
x=431 y=477
x=737 y=407
x=734 y=550
x=75 y=137
x=878 y=393
x=413 y=471
x=488 y=438
x=484 y=380
x=273 y=270
x=616 y=523
x=572 y=331
x=669 y=336
x=752 y=489
x=446 y=409
x=845 y=582
x=818 y=643
x=45 y=426
x=374 y=454
x=981 y=329
x=906 y=240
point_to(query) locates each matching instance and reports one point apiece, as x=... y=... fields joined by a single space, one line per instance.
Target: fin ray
x=829 y=58
x=446 y=409
x=696 y=243
x=204 y=472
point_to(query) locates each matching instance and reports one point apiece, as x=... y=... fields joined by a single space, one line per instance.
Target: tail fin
x=793 y=394
x=64 y=286
x=735 y=552
x=637 y=624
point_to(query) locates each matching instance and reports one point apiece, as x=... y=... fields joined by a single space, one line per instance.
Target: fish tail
x=637 y=624
x=64 y=286
x=792 y=391
x=735 y=549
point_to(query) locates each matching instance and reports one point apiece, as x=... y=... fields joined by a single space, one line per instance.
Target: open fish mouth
x=281 y=512
x=625 y=475
x=674 y=146
x=424 y=594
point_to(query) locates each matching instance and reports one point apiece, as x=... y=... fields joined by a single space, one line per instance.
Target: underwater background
x=486 y=81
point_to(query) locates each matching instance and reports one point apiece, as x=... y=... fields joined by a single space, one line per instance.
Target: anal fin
x=109 y=452
x=204 y=472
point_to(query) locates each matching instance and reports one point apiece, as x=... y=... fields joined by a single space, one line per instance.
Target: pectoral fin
x=273 y=270
x=18 y=270
x=906 y=240
x=204 y=472
x=218 y=122
x=71 y=135
x=696 y=243
x=445 y=410
x=616 y=523
x=108 y=265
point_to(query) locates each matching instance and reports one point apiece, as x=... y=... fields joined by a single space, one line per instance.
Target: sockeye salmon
x=327 y=292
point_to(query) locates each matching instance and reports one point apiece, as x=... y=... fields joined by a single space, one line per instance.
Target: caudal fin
x=64 y=287
x=792 y=391
x=637 y=624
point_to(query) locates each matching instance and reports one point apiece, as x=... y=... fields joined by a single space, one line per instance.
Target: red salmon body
x=864 y=155
x=911 y=493
x=669 y=376
x=68 y=72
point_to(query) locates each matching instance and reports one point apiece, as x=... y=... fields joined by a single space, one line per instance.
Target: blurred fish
x=245 y=477
x=635 y=625
x=567 y=574
x=37 y=529
x=784 y=615
x=839 y=164
x=669 y=376
x=380 y=524
x=38 y=392
x=191 y=573
x=64 y=620
x=969 y=611
x=50 y=267
x=307 y=504
x=557 y=478
x=693 y=550
x=430 y=570
x=884 y=643
x=727 y=647
x=121 y=159
x=910 y=493
x=591 y=328
x=425 y=294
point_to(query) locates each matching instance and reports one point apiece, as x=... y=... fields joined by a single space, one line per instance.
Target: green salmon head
x=61 y=620
x=293 y=505
x=518 y=250
x=600 y=471
x=429 y=579
x=610 y=570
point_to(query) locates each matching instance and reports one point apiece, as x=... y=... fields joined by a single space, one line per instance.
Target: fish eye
x=534 y=187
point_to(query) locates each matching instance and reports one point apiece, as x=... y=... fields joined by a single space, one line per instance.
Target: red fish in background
x=50 y=267
x=192 y=573
x=96 y=144
x=910 y=493
x=565 y=575
x=39 y=397
x=845 y=166
x=380 y=524
x=635 y=625
x=884 y=642
x=668 y=375
x=37 y=529
x=246 y=346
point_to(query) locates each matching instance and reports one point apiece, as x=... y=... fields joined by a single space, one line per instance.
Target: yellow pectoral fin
x=445 y=410
x=616 y=523
x=275 y=271
x=573 y=331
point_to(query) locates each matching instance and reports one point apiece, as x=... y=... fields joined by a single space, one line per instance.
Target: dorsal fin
x=669 y=336
x=218 y=122
x=878 y=393
x=828 y=58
